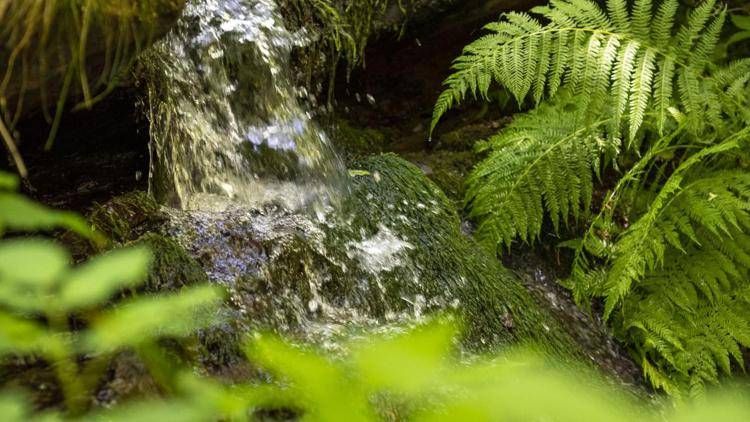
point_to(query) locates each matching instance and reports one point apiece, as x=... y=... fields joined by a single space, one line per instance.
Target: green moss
x=126 y=217
x=355 y=143
x=395 y=254
x=392 y=254
x=465 y=137
x=448 y=169
x=495 y=305
x=172 y=267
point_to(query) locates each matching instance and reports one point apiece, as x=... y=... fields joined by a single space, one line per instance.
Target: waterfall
x=230 y=137
x=226 y=121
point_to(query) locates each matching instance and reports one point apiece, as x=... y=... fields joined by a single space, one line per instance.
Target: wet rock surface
x=396 y=251
x=392 y=254
x=541 y=277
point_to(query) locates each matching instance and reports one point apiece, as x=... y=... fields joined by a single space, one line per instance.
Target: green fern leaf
x=523 y=55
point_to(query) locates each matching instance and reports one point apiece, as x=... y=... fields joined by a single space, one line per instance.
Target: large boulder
x=391 y=254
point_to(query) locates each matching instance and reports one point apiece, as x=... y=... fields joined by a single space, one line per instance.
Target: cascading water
x=226 y=122
x=233 y=148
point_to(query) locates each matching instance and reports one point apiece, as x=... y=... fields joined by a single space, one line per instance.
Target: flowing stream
x=226 y=121
x=240 y=161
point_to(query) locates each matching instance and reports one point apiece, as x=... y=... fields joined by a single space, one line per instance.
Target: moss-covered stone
x=354 y=142
x=448 y=169
x=452 y=270
x=127 y=217
x=464 y=137
x=172 y=267
x=392 y=254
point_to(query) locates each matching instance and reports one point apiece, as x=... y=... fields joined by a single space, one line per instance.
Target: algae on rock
x=172 y=267
x=354 y=142
x=126 y=217
x=391 y=255
x=452 y=270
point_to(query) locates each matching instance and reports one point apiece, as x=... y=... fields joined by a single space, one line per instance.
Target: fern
x=690 y=317
x=668 y=251
x=673 y=214
x=544 y=161
x=673 y=280
x=631 y=57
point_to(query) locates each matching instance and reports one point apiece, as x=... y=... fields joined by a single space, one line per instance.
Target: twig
x=13 y=150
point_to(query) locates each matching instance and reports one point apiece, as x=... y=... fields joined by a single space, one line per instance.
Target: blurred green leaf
x=726 y=405
x=29 y=271
x=22 y=214
x=32 y=263
x=408 y=363
x=741 y=21
x=231 y=402
x=738 y=37
x=13 y=408
x=177 y=410
x=315 y=383
x=100 y=278
x=144 y=319
x=531 y=396
x=8 y=181
x=19 y=335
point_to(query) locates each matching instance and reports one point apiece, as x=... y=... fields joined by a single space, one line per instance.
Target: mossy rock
x=127 y=217
x=393 y=254
x=448 y=169
x=354 y=142
x=172 y=267
x=464 y=138
x=453 y=271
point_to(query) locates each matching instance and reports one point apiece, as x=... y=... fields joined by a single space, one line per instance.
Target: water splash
x=234 y=149
x=382 y=252
x=226 y=120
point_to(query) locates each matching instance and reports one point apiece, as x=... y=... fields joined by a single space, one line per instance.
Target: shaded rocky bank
x=392 y=255
x=395 y=252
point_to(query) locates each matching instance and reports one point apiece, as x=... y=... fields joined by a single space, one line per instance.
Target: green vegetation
x=639 y=133
x=42 y=299
x=77 y=319
x=126 y=217
x=55 y=49
x=451 y=268
x=634 y=146
x=343 y=28
x=340 y=30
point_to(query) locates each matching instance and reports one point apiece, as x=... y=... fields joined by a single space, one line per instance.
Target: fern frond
x=618 y=10
x=731 y=84
x=640 y=90
x=641 y=16
x=663 y=23
x=683 y=328
x=669 y=250
x=643 y=245
x=544 y=161
x=522 y=55
x=663 y=91
x=688 y=316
